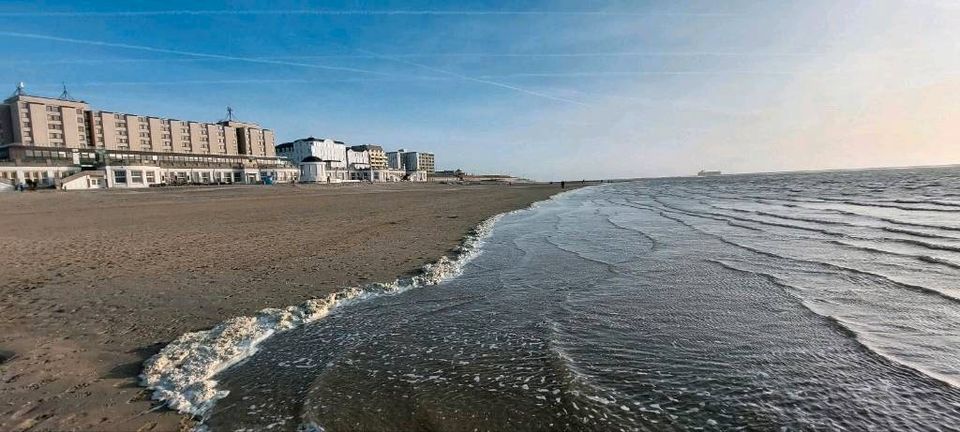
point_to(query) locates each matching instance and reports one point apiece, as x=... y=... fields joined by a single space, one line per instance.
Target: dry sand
x=93 y=283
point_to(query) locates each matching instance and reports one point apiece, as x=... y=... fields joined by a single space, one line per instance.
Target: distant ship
x=704 y=173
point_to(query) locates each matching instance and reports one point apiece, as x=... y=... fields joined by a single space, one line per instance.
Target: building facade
x=48 y=139
x=320 y=160
x=395 y=160
x=411 y=161
x=378 y=157
x=323 y=160
x=419 y=161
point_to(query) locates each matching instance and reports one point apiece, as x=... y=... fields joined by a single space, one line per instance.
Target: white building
x=331 y=161
x=358 y=158
x=331 y=151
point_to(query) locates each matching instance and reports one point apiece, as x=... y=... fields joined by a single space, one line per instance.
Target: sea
x=805 y=301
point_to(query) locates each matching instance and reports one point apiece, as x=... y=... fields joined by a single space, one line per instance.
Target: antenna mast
x=65 y=95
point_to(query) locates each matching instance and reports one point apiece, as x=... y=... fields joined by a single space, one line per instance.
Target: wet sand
x=93 y=283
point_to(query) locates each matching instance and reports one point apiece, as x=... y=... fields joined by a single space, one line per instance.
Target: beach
x=94 y=283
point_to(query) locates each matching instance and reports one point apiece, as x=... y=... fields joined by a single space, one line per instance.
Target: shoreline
x=181 y=374
x=74 y=345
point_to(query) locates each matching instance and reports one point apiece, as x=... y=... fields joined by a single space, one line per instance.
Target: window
x=151 y=177
x=120 y=176
x=136 y=176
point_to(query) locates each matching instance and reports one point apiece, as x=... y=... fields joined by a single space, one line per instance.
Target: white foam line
x=181 y=374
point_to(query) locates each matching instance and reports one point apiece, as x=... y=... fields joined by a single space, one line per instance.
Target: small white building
x=328 y=150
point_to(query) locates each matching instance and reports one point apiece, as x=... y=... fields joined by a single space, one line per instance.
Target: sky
x=547 y=90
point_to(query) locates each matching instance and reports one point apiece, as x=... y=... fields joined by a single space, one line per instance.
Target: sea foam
x=181 y=374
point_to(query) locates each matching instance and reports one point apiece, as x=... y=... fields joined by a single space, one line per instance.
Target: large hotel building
x=61 y=141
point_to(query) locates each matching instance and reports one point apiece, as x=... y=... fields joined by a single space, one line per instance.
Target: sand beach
x=93 y=283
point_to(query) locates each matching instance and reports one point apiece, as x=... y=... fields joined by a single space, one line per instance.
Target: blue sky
x=548 y=90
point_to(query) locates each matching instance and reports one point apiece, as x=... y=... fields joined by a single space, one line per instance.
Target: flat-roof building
x=419 y=161
x=46 y=139
x=378 y=158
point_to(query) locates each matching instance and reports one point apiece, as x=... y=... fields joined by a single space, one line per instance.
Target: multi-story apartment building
x=411 y=161
x=395 y=160
x=48 y=139
x=378 y=158
x=419 y=161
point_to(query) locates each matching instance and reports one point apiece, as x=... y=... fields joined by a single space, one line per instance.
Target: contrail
x=444 y=55
x=238 y=81
x=184 y=53
x=654 y=73
x=359 y=12
x=477 y=80
x=285 y=63
x=422 y=55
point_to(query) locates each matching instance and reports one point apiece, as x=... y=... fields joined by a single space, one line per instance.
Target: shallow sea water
x=800 y=301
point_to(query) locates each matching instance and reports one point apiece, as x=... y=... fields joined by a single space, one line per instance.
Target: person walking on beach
x=563 y=185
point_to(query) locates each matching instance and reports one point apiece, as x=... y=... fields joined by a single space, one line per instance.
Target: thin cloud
x=477 y=80
x=360 y=12
x=286 y=63
x=465 y=55
x=410 y=56
x=184 y=53
x=237 y=82
x=656 y=73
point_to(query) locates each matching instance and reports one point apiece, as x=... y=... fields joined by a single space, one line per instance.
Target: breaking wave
x=181 y=374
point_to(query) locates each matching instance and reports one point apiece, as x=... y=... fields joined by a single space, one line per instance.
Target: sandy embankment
x=93 y=283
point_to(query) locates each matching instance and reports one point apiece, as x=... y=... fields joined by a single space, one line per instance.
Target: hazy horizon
x=545 y=90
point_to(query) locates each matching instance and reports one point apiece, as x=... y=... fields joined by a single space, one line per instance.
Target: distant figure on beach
x=563 y=185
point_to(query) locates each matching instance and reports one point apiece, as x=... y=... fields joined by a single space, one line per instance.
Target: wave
x=181 y=374
x=844 y=327
x=809 y=219
x=924 y=258
x=931 y=202
x=850 y=270
x=654 y=244
x=923 y=244
x=917 y=233
x=834 y=267
x=894 y=206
